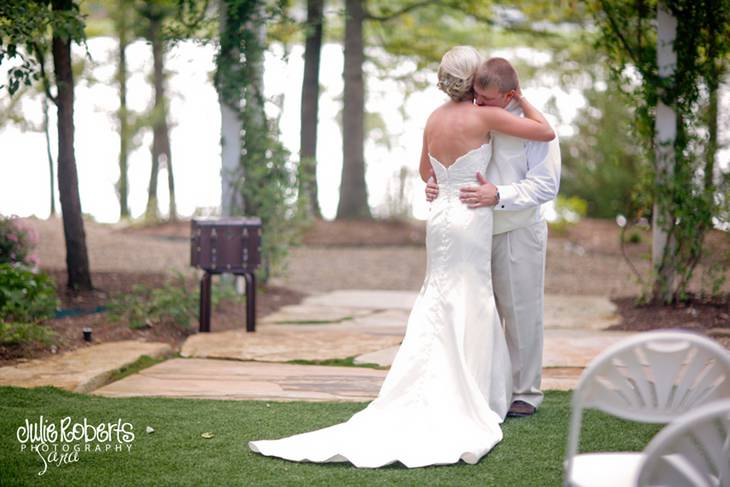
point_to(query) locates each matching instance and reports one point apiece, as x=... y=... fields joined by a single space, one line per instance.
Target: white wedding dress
x=449 y=386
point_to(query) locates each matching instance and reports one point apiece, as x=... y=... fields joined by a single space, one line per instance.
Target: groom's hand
x=477 y=196
x=432 y=189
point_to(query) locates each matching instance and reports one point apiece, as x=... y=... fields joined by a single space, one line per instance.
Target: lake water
x=195 y=131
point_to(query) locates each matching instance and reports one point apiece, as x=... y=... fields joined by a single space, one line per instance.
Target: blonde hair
x=456 y=72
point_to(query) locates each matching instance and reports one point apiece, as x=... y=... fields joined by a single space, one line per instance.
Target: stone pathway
x=365 y=325
x=83 y=369
x=231 y=379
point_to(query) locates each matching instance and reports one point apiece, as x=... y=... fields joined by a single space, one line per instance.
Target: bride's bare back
x=455 y=128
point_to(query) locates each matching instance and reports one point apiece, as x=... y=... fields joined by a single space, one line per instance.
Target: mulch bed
x=695 y=314
x=597 y=241
x=226 y=316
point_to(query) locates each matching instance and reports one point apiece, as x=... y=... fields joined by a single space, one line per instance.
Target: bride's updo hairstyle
x=456 y=72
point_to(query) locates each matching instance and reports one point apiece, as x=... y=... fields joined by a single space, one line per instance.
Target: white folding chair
x=652 y=377
x=693 y=451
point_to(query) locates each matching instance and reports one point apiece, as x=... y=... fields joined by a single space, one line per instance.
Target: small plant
x=25 y=296
x=174 y=302
x=634 y=238
x=16 y=242
x=13 y=334
x=146 y=307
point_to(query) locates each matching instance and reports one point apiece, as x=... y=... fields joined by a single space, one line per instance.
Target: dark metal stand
x=205 y=301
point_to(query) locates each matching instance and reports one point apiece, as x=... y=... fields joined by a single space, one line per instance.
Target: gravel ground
x=585 y=259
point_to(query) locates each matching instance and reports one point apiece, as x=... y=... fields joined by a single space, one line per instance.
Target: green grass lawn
x=175 y=453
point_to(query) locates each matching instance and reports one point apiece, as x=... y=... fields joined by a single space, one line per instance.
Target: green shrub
x=173 y=302
x=146 y=307
x=13 y=334
x=634 y=238
x=569 y=211
x=17 y=242
x=25 y=296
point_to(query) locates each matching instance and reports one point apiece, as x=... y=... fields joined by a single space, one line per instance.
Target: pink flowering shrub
x=17 y=241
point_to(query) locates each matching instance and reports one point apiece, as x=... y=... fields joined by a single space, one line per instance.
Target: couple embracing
x=472 y=351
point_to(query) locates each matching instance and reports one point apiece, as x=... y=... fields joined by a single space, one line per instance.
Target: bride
x=449 y=387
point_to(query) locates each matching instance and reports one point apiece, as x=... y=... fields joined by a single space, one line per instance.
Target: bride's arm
x=532 y=126
x=424 y=168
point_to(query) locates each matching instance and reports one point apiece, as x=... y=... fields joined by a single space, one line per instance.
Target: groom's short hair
x=499 y=72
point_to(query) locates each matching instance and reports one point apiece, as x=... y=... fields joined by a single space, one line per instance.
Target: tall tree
x=155 y=12
x=26 y=25
x=264 y=178
x=229 y=56
x=122 y=17
x=310 y=106
x=353 y=190
x=77 y=260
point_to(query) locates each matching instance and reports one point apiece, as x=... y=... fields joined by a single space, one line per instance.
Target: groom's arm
x=540 y=184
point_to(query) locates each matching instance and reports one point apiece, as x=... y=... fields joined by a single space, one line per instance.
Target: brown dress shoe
x=520 y=409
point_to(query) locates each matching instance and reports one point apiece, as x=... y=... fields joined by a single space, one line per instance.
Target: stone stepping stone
x=577 y=348
x=389 y=318
x=83 y=369
x=227 y=379
x=579 y=312
x=369 y=299
x=282 y=343
x=560 y=378
x=562 y=348
x=314 y=314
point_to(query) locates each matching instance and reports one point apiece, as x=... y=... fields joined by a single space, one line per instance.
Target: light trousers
x=518 y=277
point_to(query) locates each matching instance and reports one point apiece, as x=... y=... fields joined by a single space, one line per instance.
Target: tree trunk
x=663 y=244
x=310 y=107
x=253 y=140
x=353 y=191
x=46 y=132
x=122 y=24
x=161 y=155
x=231 y=199
x=77 y=260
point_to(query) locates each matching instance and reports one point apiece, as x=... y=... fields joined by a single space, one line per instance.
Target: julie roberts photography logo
x=61 y=443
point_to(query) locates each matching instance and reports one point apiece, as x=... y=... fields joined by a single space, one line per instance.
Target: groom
x=522 y=175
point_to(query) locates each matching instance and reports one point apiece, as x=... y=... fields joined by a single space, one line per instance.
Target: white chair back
x=652 y=377
x=693 y=451
x=656 y=376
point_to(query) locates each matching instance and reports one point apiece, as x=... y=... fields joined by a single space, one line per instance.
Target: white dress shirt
x=526 y=173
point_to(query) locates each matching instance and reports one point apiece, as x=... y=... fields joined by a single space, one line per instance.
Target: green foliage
x=16 y=242
x=24 y=37
x=602 y=161
x=175 y=302
x=14 y=334
x=25 y=296
x=688 y=196
x=569 y=209
x=266 y=179
x=634 y=238
x=146 y=307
